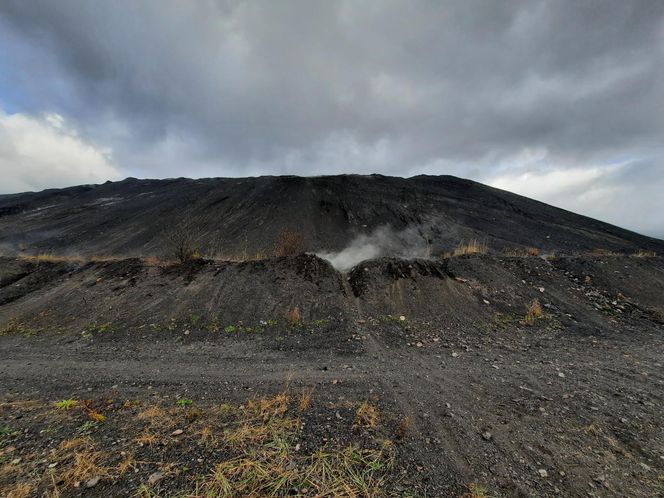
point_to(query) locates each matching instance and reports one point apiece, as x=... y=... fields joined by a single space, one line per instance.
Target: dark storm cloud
x=233 y=88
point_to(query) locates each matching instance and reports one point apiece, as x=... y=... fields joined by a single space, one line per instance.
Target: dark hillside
x=229 y=216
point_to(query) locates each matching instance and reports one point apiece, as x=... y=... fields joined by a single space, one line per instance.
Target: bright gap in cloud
x=46 y=152
x=600 y=192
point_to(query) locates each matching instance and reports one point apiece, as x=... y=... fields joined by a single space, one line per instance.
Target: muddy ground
x=472 y=395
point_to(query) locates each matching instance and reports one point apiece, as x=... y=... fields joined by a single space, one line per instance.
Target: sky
x=558 y=100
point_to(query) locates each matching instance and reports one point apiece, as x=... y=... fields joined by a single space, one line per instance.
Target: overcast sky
x=562 y=101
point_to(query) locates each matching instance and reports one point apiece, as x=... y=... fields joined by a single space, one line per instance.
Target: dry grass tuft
x=251 y=433
x=75 y=443
x=293 y=317
x=603 y=252
x=127 y=463
x=367 y=415
x=346 y=472
x=155 y=415
x=644 y=254
x=472 y=247
x=146 y=438
x=534 y=312
x=521 y=251
x=289 y=243
x=85 y=467
x=45 y=257
x=305 y=400
x=207 y=436
x=267 y=408
x=20 y=490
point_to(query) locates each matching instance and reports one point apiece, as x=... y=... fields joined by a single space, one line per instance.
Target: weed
x=94 y=328
x=86 y=428
x=6 y=433
x=183 y=402
x=367 y=415
x=96 y=416
x=145 y=491
x=16 y=327
x=229 y=329
x=66 y=404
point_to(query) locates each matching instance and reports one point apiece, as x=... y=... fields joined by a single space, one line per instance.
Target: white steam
x=409 y=243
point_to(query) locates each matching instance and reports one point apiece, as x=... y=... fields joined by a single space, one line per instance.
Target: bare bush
x=293 y=317
x=182 y=241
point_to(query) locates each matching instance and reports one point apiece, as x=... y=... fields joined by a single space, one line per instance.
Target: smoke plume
x=409 y=243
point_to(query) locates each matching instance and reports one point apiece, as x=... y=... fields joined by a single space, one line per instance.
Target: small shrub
x=305 y=400
x=472 y=247
x=293 y=317
x=289 y=243
x=534 y=312
x=532 y=251
x=181 y=240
